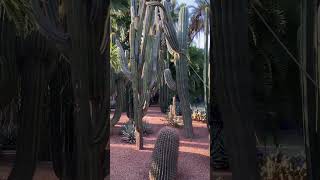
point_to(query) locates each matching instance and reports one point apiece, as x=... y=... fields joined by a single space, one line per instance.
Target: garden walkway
x=127 y=163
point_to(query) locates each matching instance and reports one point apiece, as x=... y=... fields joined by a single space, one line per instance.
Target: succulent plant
x=128 y=133
x=165 y=155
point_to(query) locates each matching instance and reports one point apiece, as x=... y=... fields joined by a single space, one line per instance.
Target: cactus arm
x=123 y=61
x=119 y=101
x=169 y=80
x=145 y=32
x=168 y=28
x=133 y=10
x=141 y=14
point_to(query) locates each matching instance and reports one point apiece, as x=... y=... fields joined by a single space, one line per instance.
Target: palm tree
x=197 y=18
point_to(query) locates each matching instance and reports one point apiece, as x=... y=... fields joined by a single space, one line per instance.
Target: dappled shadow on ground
x=129 y=163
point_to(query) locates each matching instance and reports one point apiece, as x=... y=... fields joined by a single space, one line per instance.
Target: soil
x=127 y=163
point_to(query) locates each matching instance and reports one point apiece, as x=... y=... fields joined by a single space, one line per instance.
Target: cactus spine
x=165 y=155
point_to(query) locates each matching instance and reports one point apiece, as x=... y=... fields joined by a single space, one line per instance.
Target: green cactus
x=120 y=86
x=148 y=19
x=165 y=155
x=145 y=57
x=169 y=80
x=118 y=79
x=177 y=46
x=206 y=61
x=164 y=93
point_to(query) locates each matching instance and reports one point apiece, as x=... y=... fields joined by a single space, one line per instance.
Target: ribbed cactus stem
x=169 y=80
x=165 y=155
x=120 y=84
x=182 y=72
x=163 y=64
x=206 y=62
x=144 y=40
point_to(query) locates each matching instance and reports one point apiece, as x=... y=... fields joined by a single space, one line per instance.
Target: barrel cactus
x=165 y=155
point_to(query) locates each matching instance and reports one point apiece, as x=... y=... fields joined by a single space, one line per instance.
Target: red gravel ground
x=127 y=163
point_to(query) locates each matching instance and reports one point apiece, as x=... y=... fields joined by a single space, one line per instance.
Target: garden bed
x=128 y=163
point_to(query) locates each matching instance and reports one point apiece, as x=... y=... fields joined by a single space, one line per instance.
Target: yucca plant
x=128 y=131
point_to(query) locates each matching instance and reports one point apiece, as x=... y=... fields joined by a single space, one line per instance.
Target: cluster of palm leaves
x=197 y=19
x=270 y=64
x=120 y=20
x=263 y=48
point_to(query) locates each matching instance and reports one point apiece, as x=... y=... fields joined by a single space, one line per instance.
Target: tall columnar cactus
x=164 y=93
x=165 y=155
x=118 y=83
x=206 y=62
x=144 y=40
x=177 y=45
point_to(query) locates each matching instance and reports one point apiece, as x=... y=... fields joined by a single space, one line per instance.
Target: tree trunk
x=233 y=85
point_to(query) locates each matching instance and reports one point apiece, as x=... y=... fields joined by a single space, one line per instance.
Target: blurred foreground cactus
x=165 y=155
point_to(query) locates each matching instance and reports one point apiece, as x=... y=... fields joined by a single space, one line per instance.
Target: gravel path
x=127 y=163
